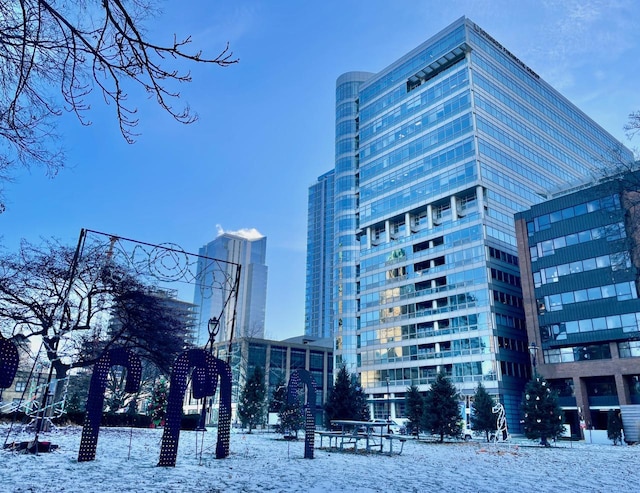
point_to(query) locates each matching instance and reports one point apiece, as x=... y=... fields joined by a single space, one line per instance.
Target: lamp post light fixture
x=533 y=351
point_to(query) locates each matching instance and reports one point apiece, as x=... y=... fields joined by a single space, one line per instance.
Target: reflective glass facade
x=434 y=155
x=319 y=275
x=250 y=253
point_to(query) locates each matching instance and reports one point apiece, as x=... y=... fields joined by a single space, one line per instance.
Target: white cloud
x=246 y=233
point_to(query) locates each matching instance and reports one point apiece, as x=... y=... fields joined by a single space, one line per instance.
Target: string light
x=95 y=399
x=205 y=378
x=9 y=359
x=297 y=378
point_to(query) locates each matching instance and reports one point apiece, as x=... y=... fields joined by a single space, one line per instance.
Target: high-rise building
x=434 y=155
x=246 y=248
x=579 y=262
x=319 y=280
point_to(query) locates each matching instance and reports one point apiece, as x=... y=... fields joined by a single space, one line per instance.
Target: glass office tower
x=319 y=276
x=249 y=249
x=434 y=155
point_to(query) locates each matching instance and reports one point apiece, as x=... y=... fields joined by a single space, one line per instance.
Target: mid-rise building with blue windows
x=434 y=155
x=319 y=275
x=580 y=264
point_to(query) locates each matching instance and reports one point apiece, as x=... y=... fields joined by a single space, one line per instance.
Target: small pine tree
x=360 y=405
x=346 y=399
x=158 y=406
x=482 y=417
x=252 y=400
x=543 y=417
x=441 y=409
x=292 y=417
x=614 y=426
x=414 y=404
x=77 y=392
x=279 y=397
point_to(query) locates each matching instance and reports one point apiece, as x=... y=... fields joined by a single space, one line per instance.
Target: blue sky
x=265 y=129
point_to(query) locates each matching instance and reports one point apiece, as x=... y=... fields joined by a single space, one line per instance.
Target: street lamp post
x=388 y=407
x=213 y=328
x=533 y=350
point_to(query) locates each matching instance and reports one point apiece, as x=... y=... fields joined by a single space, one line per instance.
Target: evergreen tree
x=542 y=416
x=346 y=400
x=441 y=409
x=482 y=417
x=292 y=417
x=414 y=404
x=158 y=406
x=360 y=405
x=279 y=397
x=614 y=426
x=77 y=392
x=251 y=406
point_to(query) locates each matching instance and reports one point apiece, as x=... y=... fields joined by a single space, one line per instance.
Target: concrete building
x=434 y=155
x=278 y=359
x=579 y=262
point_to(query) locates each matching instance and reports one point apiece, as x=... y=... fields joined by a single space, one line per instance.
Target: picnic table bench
x=352 y=433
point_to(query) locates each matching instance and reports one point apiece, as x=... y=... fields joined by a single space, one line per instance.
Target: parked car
x=467 y=433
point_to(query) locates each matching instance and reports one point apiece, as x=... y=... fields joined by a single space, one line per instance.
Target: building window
x=577 y=353
x=543 y=222
x=298 y=358
x=629 y=349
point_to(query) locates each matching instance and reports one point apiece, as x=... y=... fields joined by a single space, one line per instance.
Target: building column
x=622 y=388
x=288 y=365
x=430 y=216
x=387 y=232
x=368 y=238
x=582 y=400
x=480 y=199
x=454 y=207
x=328 y=363
x=407 y=224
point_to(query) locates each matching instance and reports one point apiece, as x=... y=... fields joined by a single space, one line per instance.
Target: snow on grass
x=262 y=462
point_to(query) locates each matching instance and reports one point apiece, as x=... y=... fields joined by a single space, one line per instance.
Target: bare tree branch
x=633 y=125
x=107 y=305
x=70 y=48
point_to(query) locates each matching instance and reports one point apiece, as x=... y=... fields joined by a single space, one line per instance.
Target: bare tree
x=80 y=307
x=70 y=48
x=633 y=125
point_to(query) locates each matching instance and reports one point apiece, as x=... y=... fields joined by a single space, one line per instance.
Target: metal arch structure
x=206 y=369
x=9 y=360
x=298 y=381
x=169 y=266
x=95 y=400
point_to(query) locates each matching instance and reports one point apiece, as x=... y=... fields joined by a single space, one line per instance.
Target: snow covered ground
x=262 y=462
